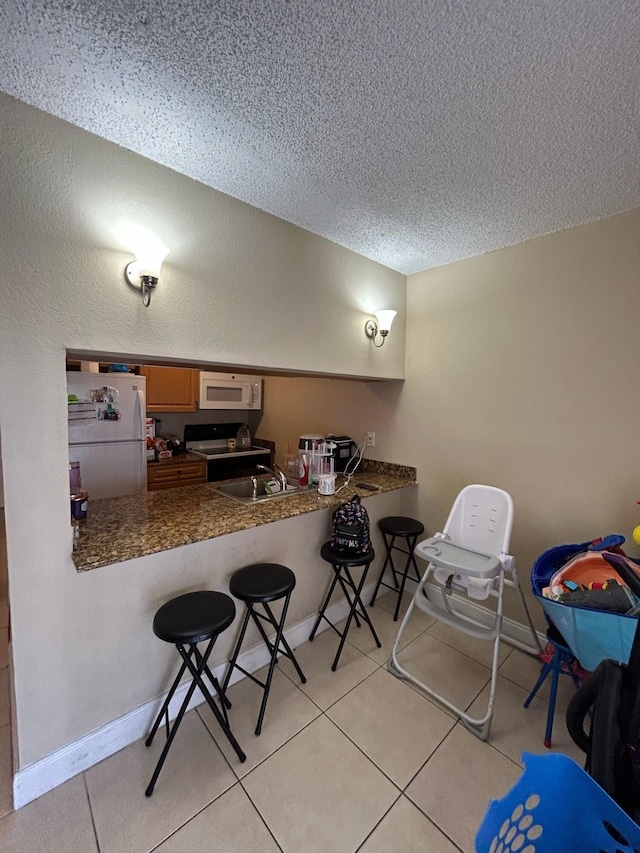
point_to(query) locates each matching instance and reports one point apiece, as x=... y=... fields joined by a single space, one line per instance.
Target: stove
x=209 y=441
x=214 y=452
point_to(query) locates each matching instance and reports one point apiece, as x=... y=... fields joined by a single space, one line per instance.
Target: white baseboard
x=36 y=779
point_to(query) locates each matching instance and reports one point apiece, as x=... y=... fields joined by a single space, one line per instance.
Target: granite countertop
x=119 y=529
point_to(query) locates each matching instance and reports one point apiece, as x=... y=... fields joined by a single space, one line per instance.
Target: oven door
x=232 y=466
x=229 y=391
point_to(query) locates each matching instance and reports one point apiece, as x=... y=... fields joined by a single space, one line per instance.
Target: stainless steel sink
x=242 y=491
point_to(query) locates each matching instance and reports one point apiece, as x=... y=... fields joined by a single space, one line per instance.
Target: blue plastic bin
x=592 y=635
x=555 y=807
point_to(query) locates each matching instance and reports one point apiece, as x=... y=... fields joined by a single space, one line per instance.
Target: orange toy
x=585 y=569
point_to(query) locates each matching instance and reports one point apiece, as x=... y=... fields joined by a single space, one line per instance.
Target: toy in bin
x=588 y=580
x=556 y=807
x=592 y=635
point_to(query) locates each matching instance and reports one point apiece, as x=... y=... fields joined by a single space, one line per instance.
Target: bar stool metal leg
x=408 y=530
x=256 y=585
x=325 y=604
x=186 y=621
x=387 y=559
x=197 y=681
x=411 y=560
x=341 y=563
x=352 y=611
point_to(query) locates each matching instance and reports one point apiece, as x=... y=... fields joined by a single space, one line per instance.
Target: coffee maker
x=344 y=448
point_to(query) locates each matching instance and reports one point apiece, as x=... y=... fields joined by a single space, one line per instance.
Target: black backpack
x=603 y=717
x=350 y=529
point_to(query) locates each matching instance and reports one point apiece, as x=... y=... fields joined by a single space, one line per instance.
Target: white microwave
x=230 y=391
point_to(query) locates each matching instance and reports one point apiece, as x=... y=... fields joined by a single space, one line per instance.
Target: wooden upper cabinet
x=171 y=389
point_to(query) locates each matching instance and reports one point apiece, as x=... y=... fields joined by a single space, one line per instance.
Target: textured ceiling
x=416 y=132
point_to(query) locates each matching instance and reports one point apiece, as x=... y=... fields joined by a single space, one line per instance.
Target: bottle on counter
x=303 y=472
x=243 y=438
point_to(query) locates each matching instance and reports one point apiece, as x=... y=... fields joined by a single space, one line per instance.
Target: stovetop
x=215 y=451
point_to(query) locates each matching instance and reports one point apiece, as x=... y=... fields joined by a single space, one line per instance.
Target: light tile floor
x=355 y=760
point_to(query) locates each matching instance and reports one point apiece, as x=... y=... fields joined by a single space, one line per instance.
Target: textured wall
x=522 y=372
x=239 y=287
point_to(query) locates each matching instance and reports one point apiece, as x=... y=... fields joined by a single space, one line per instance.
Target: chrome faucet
x=278 y=474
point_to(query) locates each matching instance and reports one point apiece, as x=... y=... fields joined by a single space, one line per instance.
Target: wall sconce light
x=144 y=272
x=381 y=324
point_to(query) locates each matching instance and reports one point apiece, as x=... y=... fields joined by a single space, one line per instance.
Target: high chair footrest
x=473 y=629
x=458 y=559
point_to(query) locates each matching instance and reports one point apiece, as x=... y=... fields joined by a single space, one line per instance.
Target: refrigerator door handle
x=140 y=415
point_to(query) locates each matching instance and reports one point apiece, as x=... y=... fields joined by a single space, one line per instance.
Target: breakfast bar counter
x=120 y=529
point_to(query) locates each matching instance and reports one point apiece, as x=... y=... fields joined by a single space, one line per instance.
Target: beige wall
x=522 y=372
x=240 y=287
x=294 y=406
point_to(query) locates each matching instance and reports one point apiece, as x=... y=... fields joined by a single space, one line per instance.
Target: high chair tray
x=458 y=559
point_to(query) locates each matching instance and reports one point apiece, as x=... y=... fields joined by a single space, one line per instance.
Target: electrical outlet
x=370 y=439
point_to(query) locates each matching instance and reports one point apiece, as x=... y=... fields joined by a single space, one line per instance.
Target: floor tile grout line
x=454 y=723
x=211 y=735
x=277 y=749
x=206 y=806
x=194 y=816
x=455 y=720
x=322 y=710
x=373 y=829
x=431 y=754
x=362 y=752
x=433 y=818
x=259 y=813
x=515 y=683
x=434 y=822
x=93 y=820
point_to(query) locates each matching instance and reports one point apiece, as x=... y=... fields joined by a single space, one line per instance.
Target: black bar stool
x=262 y=583
x=341 y=562
x=186 y=621
x=408 y=529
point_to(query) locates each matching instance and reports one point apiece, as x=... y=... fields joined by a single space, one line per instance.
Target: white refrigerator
x=112 y=453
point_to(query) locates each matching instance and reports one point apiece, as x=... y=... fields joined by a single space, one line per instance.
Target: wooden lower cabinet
x=176 y=472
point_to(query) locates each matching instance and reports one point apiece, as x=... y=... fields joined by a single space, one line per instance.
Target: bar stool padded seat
x=194 y=617
x=345 y=558
x=262 y=582
x=400 y=525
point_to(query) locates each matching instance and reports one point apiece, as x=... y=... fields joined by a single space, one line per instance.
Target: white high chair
x=470 y=557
